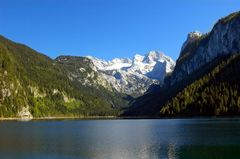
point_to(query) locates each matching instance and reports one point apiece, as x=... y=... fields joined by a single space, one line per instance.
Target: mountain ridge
x=201 y=55
x=137 y=75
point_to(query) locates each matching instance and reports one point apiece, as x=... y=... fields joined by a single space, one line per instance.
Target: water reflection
x=171 y=152
x=121 y=139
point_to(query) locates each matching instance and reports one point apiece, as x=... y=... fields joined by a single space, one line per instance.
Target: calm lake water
x=121 y=139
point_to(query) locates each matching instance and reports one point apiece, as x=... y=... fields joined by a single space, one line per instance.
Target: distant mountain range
x=121 y=75
x=133 y=77
x=203 y=81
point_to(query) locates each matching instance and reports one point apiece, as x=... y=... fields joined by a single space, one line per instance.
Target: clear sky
x=108 y=28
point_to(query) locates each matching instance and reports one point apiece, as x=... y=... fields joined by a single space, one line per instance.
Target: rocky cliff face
x=200 y=49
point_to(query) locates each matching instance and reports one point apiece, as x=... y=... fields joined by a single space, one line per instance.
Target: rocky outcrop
x=25 y=114
x=191 y=38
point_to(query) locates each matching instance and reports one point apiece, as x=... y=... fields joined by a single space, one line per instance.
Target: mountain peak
x=191 y=37
x=138 y=58
x=146 y=65
x=153 y=56
x=195 y=34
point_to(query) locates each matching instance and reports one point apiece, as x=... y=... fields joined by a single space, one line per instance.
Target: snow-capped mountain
x=115 y=64
x=135 y=76
x=154 y=65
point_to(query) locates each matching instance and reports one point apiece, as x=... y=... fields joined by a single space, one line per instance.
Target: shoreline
x=109 y=118
x=56 y=118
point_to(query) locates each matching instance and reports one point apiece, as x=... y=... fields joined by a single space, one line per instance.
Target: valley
x=204 y=80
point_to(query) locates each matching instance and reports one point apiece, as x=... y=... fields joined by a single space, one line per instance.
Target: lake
x=121 y=139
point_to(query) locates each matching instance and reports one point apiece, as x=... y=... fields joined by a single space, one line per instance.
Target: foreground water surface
x=121 y=139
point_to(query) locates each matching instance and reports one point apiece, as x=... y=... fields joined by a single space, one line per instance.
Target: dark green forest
x=216 y=93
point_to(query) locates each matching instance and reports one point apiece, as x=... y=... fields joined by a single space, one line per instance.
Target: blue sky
x=108 y=28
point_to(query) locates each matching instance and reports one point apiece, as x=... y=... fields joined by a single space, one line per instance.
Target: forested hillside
x=34 y=82
x=216 y=93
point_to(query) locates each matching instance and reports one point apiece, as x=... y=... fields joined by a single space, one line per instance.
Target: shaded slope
x=216 y=93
